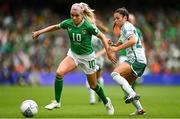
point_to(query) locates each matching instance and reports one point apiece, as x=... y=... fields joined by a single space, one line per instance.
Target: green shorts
x=137 y=67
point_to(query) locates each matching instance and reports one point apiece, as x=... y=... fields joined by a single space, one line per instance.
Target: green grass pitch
x=158 y=101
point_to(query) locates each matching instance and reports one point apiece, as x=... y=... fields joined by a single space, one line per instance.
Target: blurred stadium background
x=25 y=63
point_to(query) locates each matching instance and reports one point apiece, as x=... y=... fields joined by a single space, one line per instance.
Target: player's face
x=76 y=16
x=119 y=19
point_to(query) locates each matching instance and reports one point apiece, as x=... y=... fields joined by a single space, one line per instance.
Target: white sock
x=137 y=105
x=91 y=93
x=123 y=83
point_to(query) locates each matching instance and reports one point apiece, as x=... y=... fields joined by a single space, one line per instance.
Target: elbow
x=56 y=27
x=132 y=41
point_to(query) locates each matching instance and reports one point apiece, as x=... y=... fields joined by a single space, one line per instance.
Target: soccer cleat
x=141 y=112
x=109 y=107
x=130 y=99
x=52 y=105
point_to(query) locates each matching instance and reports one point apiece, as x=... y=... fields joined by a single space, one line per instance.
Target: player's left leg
x=100 y=81
x=88 y=65
x=136 y=103
x=100 y=92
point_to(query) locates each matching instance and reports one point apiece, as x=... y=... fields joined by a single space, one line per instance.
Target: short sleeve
x=126 y=32
x=94 y=30
x=63 y=24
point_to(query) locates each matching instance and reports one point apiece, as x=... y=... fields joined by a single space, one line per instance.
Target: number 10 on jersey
x=76 y=37
x=91 y=64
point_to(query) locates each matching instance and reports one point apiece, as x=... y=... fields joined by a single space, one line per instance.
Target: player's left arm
x=104 y=40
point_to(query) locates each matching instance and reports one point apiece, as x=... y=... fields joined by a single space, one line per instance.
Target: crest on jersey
x=84 y=31
x=69 y=29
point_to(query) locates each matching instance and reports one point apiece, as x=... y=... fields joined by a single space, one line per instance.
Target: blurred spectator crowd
x=23 y=58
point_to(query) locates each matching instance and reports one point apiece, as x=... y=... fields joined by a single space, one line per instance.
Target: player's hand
x=35 y=34
x=110 y=42
x=111 y=57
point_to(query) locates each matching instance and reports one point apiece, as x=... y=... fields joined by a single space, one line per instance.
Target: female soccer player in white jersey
x=128 y=71
x=81 y=53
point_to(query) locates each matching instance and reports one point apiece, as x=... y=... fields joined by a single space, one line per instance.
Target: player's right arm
x=36 y=34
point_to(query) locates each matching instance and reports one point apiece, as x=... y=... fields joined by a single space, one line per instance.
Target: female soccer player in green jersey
x=128 y=71
x=80 y=31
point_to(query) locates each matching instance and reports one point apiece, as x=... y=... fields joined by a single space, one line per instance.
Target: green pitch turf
x=158 y=101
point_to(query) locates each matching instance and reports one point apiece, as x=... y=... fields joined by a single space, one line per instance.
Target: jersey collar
x=80 y=23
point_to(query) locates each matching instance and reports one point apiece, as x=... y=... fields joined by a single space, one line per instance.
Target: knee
x=59 y=73
x=93 y=87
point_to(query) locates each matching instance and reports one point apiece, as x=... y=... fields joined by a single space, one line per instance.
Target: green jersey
x=80 y=36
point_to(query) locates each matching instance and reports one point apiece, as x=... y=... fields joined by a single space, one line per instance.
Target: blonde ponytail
x=87 y=12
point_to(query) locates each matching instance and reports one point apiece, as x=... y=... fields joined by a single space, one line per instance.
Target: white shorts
x=122 y=59
x=86 y=62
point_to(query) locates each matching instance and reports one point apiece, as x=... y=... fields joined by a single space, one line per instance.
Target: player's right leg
x=100 y=81
x=100 y=92
x=67 y=65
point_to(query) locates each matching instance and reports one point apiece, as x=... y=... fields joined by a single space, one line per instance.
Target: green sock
x=58 y=88
x=101 y=94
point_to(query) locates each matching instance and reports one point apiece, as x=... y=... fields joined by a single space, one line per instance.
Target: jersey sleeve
x=63 y=24
x=129 y=31
x=94 y=30
x=126 y=33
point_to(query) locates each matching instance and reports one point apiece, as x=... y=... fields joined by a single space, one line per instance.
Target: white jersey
x=96 y=43
x=135 y=52
x=97 y=46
